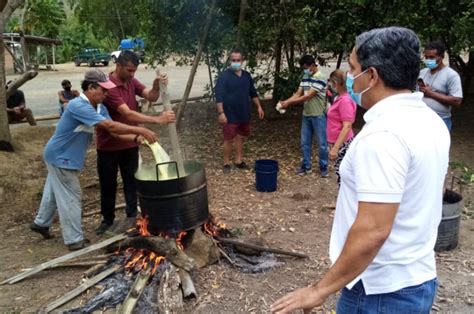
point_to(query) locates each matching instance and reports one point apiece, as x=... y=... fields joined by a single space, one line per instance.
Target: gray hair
x=394 y=52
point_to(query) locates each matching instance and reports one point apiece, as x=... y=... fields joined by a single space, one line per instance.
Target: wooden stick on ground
x=96 y=212
x=187 y=285
x=63 y=258
x=74 y=264
x=82 y=287
x=260 y=248
x=170 y=297
x=135 y=292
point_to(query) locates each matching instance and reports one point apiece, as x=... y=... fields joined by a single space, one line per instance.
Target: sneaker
x=324 y=173
x=226 y=169
x=77 y=245
x=302 y=171
x=242 y=165
x=44 y=231
x=102 y=228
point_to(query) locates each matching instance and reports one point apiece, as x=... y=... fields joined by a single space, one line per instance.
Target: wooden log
x=74 y=264
x=94 y=270
x=159 y=245
x=260 y=248
x=135 y=292
x=170 y=297
x=64 y=258
x=82 y=287
x=187 y=284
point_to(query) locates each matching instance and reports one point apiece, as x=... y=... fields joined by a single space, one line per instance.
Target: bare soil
x=296 y=217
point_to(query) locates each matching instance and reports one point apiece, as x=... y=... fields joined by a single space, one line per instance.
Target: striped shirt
x=315 y=106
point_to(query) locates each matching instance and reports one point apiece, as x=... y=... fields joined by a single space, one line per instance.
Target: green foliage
x=44 y=17
x=466 y=173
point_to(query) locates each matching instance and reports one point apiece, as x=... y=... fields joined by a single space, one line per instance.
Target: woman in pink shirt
x=340 y=117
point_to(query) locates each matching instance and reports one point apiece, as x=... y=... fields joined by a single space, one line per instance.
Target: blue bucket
x=266 y=175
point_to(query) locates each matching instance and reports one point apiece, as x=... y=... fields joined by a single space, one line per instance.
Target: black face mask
x=67 y=88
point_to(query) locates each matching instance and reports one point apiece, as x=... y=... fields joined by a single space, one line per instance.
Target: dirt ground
x=294 y=218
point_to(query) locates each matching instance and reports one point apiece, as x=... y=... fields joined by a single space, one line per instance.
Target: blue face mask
x=357 y=97
x=431 y=64
x=307 y=72
x=236 y=66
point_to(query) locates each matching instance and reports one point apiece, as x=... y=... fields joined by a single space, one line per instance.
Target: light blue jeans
x=62 y=192
x=310 y=126
x=449 y=123
x=414 y=299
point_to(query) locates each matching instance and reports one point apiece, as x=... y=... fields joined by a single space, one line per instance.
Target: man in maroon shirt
x=113 y=153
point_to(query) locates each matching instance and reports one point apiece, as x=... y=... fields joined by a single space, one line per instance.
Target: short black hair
x=65 y=82
x=236 y=50
x=437 y=45
x=127 y=56
x=307 y=60
x=85 y=85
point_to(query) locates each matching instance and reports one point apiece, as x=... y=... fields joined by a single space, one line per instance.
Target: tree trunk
x=189 y=85
x=278 y=48
x=243 y=7
x=7 y=8
x=339 y=59
x=24 y=48
x=13 y=87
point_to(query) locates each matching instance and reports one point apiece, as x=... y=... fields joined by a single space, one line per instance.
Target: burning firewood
x=187 y=285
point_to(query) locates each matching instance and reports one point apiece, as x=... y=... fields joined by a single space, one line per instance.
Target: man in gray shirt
x=440 y=84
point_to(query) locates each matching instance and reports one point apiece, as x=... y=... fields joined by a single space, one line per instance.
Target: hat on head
x=96 y=75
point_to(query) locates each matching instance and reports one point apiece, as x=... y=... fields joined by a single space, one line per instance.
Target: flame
x=142 y=227
x=215 y=228
x=179 y=240
x=139 y=259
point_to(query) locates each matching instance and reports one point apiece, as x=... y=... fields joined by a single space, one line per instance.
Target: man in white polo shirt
x=390 y=201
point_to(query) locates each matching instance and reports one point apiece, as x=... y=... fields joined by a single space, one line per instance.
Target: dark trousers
x=108 y=162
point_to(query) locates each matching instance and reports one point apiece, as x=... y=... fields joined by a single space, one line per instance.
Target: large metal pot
x=173 y=202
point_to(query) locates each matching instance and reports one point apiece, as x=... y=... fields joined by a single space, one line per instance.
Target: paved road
x=41 y=92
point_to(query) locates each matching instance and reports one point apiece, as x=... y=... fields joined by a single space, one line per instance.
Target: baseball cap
x=96 y=75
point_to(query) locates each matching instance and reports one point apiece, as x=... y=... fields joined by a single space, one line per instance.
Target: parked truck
x=91 y=56
x=136 y=45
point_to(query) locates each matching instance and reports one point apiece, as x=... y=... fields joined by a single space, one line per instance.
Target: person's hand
x=148 y=135
x=333 y=152
x=222 y=119
x=425 y=89
x=284 y=104
x=304 y=298
x=261 y=114
x=164 y=79
x=140 y=139
x=167 y=117
x=17 y=110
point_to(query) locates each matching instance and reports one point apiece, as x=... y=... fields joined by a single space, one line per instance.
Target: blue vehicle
x=136 y=45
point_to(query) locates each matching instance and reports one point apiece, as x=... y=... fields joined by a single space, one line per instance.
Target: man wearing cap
x=65 y=154
x=114 y=153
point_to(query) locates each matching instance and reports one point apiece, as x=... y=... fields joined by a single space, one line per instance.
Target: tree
x=6 y=9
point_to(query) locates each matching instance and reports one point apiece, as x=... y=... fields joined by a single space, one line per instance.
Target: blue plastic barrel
x=266 y=175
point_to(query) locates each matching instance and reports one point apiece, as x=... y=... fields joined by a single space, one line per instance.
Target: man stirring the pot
x=113 y=153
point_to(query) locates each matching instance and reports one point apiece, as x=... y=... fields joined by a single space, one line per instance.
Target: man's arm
x=256 y=101
x=120 y=128
x=137 y=117
x=152 y=94
x=441 y=98
x=371 y=228
x=297 y=98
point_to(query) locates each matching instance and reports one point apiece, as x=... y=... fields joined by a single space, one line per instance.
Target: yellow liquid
x=165 y=172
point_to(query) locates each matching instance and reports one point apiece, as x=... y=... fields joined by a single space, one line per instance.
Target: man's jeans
x=62 y=192
x=448 y=122
x=414 y=299
x=310 y=126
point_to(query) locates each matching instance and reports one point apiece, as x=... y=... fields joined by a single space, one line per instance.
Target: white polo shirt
x=400 y=156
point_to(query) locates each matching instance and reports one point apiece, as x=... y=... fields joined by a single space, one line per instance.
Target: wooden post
x=201 y=44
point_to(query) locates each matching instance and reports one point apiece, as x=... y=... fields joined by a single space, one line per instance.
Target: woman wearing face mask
x=340 y=117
